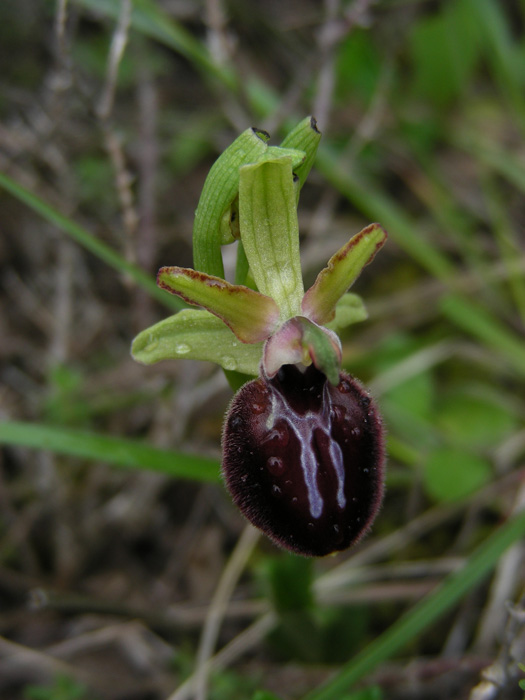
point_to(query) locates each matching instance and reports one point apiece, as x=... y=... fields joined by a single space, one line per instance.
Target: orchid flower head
x=303 y=447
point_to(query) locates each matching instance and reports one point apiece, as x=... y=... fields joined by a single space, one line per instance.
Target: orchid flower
x=303 y=448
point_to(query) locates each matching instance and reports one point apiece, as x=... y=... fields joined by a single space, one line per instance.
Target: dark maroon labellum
x=304 y=460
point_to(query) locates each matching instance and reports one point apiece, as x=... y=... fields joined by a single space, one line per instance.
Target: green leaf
x=305 y=137
x=198 y=335
x=117 y=451
x=349 y=309
x=451 y=474
x=250 y=315
x=219 y=191
x=414 y=396
x=270 y=232
x=343 y=269
x=290 y=580
x=476 y=421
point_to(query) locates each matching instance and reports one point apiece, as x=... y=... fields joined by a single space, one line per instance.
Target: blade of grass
x=117 y=451
x=491 y=154
x=507 y=240
x=149 y=19
x=503 y=55
x=88 y=241
x=477 y=321
x=379 y=207
x=425 y=613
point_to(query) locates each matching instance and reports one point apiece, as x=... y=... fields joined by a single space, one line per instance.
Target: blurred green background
x=111 y=114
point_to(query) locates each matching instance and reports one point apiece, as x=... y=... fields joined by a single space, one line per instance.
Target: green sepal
x=343 y=269
x=219 y=191
x=197 y=335
x=229 y=226
x=270 y=232
x=349 y=309
x=304 y=137
x=297 y=156
x=250 y=315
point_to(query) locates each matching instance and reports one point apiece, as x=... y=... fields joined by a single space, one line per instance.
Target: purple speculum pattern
x=304 y=459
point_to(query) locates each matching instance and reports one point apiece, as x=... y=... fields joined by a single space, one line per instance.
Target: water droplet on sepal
x=182 y=348
x=229 y=363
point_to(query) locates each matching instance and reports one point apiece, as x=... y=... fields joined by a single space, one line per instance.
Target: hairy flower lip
x=304 y=460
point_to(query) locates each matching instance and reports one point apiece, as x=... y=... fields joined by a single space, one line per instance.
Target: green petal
x=343 y=269
x=250 y=315
x=197 y=335
x=229 y=224
x=349 y=309
x=219 y=191
x=270 y=232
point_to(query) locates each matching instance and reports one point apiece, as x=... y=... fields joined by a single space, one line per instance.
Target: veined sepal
x=229 y=226
x=270 y=232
